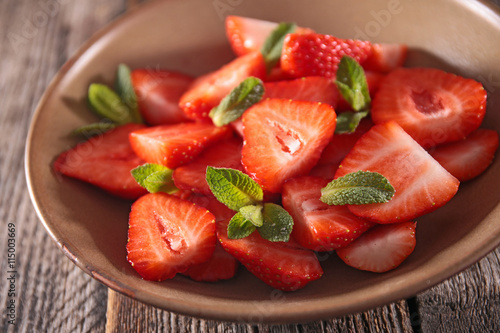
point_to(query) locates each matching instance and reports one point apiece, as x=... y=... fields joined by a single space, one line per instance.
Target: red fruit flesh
x=167 y=235
x=386 y=57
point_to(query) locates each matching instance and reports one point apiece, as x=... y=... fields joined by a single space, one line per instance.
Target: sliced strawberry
x=192 y=176
x=284 y=139
x=311 y=88
x=319 y=54
x=208 y=90
x=237 y=127
x=431 y=105
x=386 y=57
x=246 y=34
x=281 y=265
x=318 y=226
x=167 y=235
x=220 y=266
x=177 y=144
x=105 y=161
x=325 y=171
x=158 y=93
x=468 y=158
x=382 y=248
x=421 y=183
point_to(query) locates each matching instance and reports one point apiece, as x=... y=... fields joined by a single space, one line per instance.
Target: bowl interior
x=91 y=227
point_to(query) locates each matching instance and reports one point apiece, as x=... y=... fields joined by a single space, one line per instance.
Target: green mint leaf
x=154 y=178
x=107 y=104
x=125 y=89
x=271 y=50
x=347 y=122
x=278 y=224
x=239 y=227
x=233 y=188
x=358 y=188
x=91 y=130
x=253 y=213
x=351 y=82
x=246 y=94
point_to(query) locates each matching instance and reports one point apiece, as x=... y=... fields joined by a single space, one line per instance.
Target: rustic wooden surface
x=53 y=295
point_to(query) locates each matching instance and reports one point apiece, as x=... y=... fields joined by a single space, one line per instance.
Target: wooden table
x=53 y=295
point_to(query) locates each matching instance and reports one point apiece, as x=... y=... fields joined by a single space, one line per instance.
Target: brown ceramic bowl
x=188 y=35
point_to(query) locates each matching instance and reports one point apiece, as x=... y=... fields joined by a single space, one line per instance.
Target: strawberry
x=104 y=161
x=319 y=54
x=226 y=154
x=158 y=93
x=311 y=88
x=382 y=248
x=468 y=158
x=167 y=235
x=208 y=90
x=220 y=266
x=421 y=183
x=318 y=226
x=284 y=139
x=177 y=144
x=281 y=265
x=386 y=57
x=246 y=34
x=431 y=105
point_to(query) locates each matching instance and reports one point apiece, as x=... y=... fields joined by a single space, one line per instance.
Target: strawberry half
x=281 y=265
x=319 y=54
x=382 y=248
x=246 y=34
x=226 y=154
x=158 y=93
x=468 y=158
x=167 y=235
x=284 y=139
x=431 y=105
x=208 y=90
x=421 y=183
x=105 y=161
x=318 y=226
x=386 y=57
x=177 y=144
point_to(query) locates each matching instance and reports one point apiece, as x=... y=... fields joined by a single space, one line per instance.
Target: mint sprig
x=242 y=194
x=232 y=106
x=154 y=178
x=358 y=188
x=271 y=49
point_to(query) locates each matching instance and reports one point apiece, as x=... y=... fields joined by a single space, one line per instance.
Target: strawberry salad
x=304 y=143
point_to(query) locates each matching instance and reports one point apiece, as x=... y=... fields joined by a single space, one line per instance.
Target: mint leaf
x=233 y=188
x=351 y=82
x=271 y=50
x=347 y=121
x=93 y=129
x=246 y=94
x=253 y=213
x=278 y=224
x=154 y=178
x=125 y=89
x=358 y=188
x=107 y=104
x=239 y=227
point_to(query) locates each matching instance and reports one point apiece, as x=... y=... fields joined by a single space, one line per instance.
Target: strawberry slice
x=158 y=93
x=226 y=154
x=284 y=139
x=318 y=226
x=220 y=266
x=319 y=54
x=177 y=144
x=167 y=235
x=382 y=248
x=246 y=34
x=208 y=90
x=104 y=161
x=282 y=265
x=431 y=105
x=421 y=183
x=311 y=88
x=386 y=57
x=468 y=158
